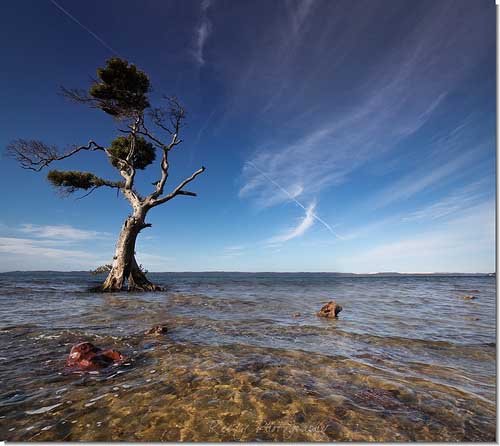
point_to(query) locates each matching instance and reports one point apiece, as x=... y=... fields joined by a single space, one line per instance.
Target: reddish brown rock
x=86 y=356
x=157 y=330
x=330 y=310
x=469 y=297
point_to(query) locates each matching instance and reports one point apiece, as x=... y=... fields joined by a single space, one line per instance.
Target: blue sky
x=353 y=136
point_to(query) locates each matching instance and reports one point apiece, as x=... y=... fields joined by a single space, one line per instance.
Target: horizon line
x=267 y=272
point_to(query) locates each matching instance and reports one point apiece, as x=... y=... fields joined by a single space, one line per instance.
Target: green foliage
x=144 y=151
x=70 y=181
x=121 y=90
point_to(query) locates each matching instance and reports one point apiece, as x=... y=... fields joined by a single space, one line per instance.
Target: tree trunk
x=137 y=280
x=125 y=267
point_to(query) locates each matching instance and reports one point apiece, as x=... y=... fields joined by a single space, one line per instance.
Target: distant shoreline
x=380 y=274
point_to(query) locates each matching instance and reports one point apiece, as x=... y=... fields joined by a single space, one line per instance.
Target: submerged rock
x=157 y=330
x=330 y=310
x=86 y=356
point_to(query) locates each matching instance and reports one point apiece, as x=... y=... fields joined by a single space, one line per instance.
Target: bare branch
x=170 y=118
x=174 y=113
x=88 y=193
x=35 y=154
x=157 y=115
x=160 y=184
x=76 y=95
x=178 y=190
x=134 y=128
x=145 y=132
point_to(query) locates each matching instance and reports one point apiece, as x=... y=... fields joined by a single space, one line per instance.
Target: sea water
x=246 y=358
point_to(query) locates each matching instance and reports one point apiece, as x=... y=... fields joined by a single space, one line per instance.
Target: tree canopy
x=70 y=181
x=120 y=90
x=144 y=152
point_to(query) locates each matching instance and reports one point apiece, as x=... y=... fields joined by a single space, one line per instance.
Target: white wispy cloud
x=302 y=226
x=455 y=202
x=299 y=11
x=466 y=241
x=389 y=103
x=59 y=247
x=292 y=196
x=202 y=32
x=64 y=247
x=299 y=230
x=60 y=232
x=234 y=248
x=418 y=181
x=458 y=201
x=25 y=254
x=30 y=247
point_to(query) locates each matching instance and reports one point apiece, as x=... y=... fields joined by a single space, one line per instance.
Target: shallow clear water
x=408 y=359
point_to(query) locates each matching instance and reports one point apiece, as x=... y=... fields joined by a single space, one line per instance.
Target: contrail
x=93 y=34
x=297 y=202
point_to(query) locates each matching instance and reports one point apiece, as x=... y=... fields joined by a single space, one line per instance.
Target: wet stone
x=269 y=396
x=157 y=330
x=299 y=417
x=333 y=429
x=330 y=310
x=87 y=357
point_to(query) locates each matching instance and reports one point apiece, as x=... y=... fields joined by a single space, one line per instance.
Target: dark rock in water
x=86 y=356
x=157 y=330
x=330 y=310
x=333 y=429
x=469 y=297
x=299 y=417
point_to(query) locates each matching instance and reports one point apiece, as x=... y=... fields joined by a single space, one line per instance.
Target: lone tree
x=121 y=90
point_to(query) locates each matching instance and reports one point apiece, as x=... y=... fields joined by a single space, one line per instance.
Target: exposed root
x=137 y=280
x=118 y=280
x=114 y=282
x=144 y=286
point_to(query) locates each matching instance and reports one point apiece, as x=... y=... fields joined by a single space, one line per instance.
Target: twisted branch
x=179 y=189
x=34 y=155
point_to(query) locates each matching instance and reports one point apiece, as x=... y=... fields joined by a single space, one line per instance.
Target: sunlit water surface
x=408 y=359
